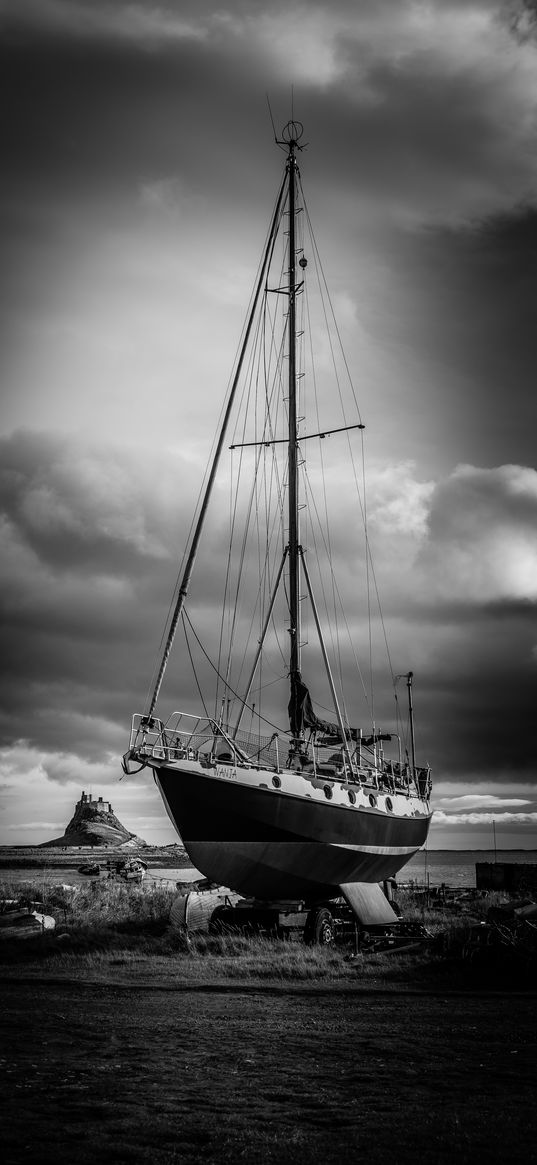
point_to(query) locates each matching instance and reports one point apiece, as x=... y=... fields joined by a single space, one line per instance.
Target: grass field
x=119 y=929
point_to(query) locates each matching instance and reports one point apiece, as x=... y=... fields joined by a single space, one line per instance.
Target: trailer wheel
x=216 y=925
x=320 y=928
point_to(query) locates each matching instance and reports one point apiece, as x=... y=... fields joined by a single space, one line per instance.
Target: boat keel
x=368 y=903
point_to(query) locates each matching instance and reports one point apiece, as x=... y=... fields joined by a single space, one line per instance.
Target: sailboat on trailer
x=307 y=809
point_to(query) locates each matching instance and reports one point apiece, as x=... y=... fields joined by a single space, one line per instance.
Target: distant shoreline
x=68 y=857
x=41 y=848
x=171 y=857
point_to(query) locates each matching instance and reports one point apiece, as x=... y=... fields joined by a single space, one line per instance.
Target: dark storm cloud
x=475 y=579
x=101 y=110
x=82 y=115
x=72 y=504
x=482 y=536
x=423 y=117
x=423 y=178
x=430 y=123
x=472 y=315
x=476 y=695
x=91 y=536
x=86 y=575
x=456 y=562
x=81 y=629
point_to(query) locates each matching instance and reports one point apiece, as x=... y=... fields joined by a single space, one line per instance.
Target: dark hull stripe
x=269 y=845
x=207 y=809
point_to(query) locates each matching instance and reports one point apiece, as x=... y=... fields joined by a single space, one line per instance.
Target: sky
x=139 y=173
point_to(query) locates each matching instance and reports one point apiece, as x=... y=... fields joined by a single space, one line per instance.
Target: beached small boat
x=131 y=870
x=24 y=923
x=311 y=806
x=91 y=869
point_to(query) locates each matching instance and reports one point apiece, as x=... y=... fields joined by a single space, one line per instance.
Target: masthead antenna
x=291 y=135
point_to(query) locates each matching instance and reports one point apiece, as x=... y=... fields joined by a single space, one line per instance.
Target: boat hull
x=290 y=841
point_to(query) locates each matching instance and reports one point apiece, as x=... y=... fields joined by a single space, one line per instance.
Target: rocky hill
x=95 y=823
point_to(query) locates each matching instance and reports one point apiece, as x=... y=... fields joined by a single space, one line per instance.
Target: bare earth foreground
x=98 y=1073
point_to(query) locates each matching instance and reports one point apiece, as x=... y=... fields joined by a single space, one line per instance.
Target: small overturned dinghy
x=192 y=912
x=24 y=924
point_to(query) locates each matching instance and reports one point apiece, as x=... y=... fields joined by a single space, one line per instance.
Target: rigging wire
x=173 y=599
x=218 y=443
x=341 y=606
x=252 y=380
x=184 y=615
x=268 y=485
x=319 y=266
x=326 y=298
x=328 y=539
x=323 y=284
x=246 y=396
x=252 y=508
x=231 y=611
x=266 y=482
x=234 y=693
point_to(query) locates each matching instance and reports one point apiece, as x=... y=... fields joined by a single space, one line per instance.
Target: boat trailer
x=363 y=914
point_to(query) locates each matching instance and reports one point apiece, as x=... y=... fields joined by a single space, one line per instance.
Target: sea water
x=452 y=867
x=456 y=867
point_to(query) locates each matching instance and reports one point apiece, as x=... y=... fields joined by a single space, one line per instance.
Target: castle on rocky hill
x=96 y=803
x=94 y=823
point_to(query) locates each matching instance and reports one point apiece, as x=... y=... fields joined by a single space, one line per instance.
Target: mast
x=291 y=134
x=411 y=722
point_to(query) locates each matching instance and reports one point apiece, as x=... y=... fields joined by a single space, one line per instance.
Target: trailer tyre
x=216 y=923
x=320 y=931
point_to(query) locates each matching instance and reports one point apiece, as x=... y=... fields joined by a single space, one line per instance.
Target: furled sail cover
x=301 y=712
x=302 y=716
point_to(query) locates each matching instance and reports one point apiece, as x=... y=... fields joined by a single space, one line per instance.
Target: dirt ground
x=108 y=1073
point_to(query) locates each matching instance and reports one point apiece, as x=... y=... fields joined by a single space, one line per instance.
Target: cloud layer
x=88 y=569
x=138 y=178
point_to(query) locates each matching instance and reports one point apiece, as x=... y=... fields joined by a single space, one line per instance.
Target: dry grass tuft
x=115 y=930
